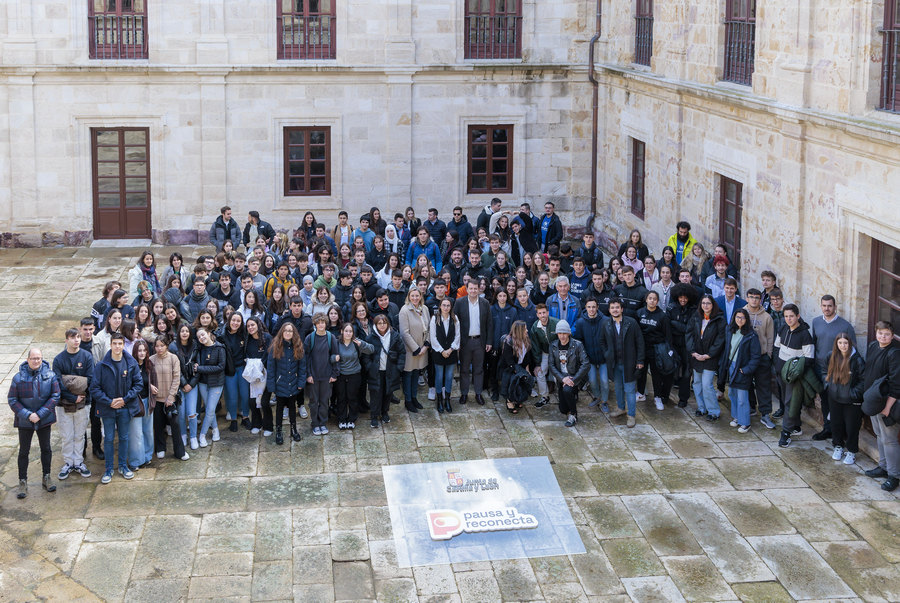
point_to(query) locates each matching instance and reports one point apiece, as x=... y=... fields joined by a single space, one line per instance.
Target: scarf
x=149 y=274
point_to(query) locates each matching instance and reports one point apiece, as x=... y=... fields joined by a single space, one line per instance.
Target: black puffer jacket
x=851 y=392
x=711 y=342
x=211 y=363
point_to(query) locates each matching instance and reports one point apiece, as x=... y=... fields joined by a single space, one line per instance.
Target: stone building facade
x=800 y=141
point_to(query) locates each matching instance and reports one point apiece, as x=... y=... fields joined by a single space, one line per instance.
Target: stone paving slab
x=673 y=509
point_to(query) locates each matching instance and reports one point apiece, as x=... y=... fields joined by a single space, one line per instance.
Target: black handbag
x=665 y=358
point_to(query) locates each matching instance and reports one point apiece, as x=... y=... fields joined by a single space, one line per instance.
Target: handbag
x=665 y=358
x=142 y=410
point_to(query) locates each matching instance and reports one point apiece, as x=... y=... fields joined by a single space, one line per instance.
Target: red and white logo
x=444 y=524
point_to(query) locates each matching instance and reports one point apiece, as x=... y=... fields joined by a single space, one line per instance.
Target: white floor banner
x=462 y=511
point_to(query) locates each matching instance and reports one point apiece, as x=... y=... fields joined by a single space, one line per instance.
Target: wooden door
x=121 y=178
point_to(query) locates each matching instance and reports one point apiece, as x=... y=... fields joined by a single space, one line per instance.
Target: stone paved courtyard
x=671 y=510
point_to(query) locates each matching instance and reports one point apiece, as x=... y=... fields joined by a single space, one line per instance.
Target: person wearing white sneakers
x=167 y=370
x=75 y=368
x=844 y=381
x=211 y=368
x=624 y=358
x=737 y=365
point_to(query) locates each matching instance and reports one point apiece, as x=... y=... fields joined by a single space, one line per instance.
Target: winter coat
x=738 y=372
x=852 y=391
x=502 y=319
x=793 y=344
x=800 y=371
x=632 y=346
x=220 y=231
x=528 y=314
x=285 y=376
x=679 y=322
x=430 y=250
x=191 y=305
x=589 y=331
x=554 y=232
x=80 y=364
x=396 y=359
x=262 y=228
x=34 y=391
x=414 y=330
x=211 y=364
x=572 y=310
x=711 y=341
x=577 y=363
x=540 y=340
x=462 y=228
x=632 y=298
x=108 y=384
x=187 y=358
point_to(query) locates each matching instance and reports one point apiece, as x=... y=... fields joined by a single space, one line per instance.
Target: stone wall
x=398 y=98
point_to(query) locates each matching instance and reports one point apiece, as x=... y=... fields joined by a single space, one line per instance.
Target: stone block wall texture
x=817 y=160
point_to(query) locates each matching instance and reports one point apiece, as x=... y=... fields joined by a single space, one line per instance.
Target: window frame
x=880 y=272
x=889 y=96
x=307 y=160
x=733 y=243
x=306 y=51
x=489 y=159
x=118 y=50
x=739 y=63
x=643 y=32
x=638 y=177
x=498 y=23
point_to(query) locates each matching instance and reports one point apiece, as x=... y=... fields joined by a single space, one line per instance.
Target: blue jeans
x=187 y=414
x=705 y=392
x=626 y=393
x=121 y=421
x=210 y=397
x=598 y=375
x=443 y=378
x=410 y=384
x=237 y=394
x=140 y=438
x=740 y=405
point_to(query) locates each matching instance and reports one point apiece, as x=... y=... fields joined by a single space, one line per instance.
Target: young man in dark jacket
x=116 y=388
x=592 y=254
x=461 y=225
x=224 y=228
x=33 y=396
x=682 y=308
x=883 y=360
x=624 y=345
x=73 y=365
x=569 y=366
x=256 y=227
x=589 y=331
x=550 y=229
x=630 y=293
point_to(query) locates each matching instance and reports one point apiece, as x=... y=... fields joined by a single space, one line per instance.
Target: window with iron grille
x=731 y=207
x=638 y=171
x=306 y=29
x=117 y=29
x=740 y=41
x=643 y=32
x=890 y=33
x=490 y=159
x=307 y=161
x=493 y=29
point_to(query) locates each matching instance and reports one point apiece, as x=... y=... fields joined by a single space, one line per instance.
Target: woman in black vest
x=444 y=351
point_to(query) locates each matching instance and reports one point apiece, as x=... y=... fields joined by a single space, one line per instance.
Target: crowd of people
x=326 y=323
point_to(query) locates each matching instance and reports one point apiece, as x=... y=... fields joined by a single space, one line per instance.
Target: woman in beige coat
x=414 y=319
x=166 y=401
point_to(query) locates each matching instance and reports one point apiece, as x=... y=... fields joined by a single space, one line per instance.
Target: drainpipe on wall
x=594 y=105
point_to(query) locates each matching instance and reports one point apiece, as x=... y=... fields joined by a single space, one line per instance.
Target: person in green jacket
x=542 y=333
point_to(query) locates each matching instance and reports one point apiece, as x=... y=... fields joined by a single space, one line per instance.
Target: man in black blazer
x=475 y=335
x=522 y=241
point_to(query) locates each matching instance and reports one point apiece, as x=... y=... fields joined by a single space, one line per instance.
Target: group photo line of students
x=326 y=323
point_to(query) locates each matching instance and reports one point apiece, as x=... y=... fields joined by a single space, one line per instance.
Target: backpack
x=520 y=386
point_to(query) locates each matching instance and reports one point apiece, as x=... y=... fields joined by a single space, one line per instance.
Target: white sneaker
x=228 y=416
x=659 y=403
x=267 y=433
x=304 y=414
x=285 y=415
x=160 y=455
x=743 y=429
x=733 y=423
x=184 y=440
x=203 y=442
x=255 y=430
x=534 y=393
x=837 y=454
x=185 y=457
x=194 y=444
x=849 y=458
x=216 y=437
x=421 y=380
x=641 y=397
x=431 y=393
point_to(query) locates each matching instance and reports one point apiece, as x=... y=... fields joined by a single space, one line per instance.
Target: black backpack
x=520 y=386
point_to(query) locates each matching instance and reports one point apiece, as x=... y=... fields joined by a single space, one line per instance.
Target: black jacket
x=632 y=297
x=632 y=345
x=852 y=392
x=392 y=312
x=263 y=228
x=396 y=358
x=486 y=320
x=680 y=321
x=211 y=364
x=520 y=244
x=303 y=324
x=745 y=361
x=554 y=232
x=462 y=228
x=711 y=342
x=577 y=363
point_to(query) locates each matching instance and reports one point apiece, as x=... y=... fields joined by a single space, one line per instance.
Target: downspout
x=594 y=107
